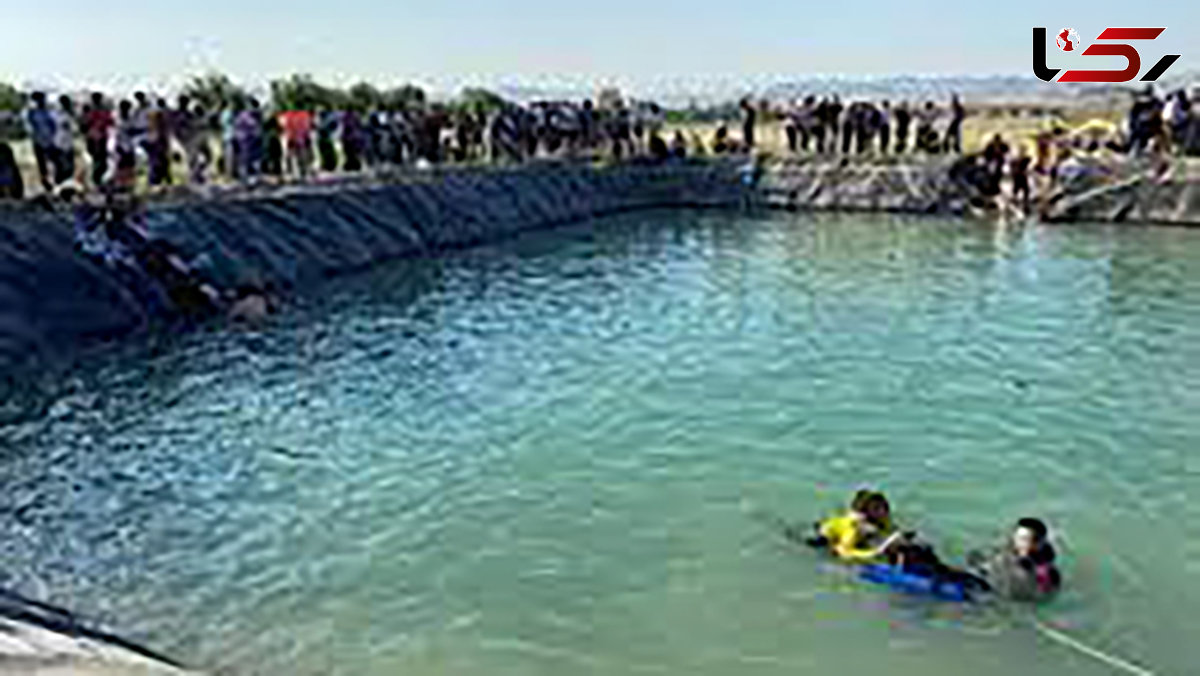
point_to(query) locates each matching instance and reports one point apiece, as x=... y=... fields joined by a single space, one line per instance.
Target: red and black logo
x=1068 y=41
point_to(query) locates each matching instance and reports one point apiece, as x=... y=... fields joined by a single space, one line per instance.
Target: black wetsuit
x=920 y=559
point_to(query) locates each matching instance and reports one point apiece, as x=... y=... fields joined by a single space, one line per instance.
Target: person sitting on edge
x=12 y=185
x=678 y=146
x=863 y=534
x=721 y=142
x=658 y=148
x=1022 y=569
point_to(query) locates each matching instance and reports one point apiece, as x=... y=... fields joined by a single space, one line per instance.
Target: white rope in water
x=1063 y=639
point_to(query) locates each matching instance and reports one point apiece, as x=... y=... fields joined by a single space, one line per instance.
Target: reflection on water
x=536 y=457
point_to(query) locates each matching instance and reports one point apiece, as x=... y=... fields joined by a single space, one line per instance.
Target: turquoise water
x=541 y=457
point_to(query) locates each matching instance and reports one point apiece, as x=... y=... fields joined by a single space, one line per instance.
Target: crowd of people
x=826 y=125
x=1066 y=161
x=1164 y=124
x=243 y=140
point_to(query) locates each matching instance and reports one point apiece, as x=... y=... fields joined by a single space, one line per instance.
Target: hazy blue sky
x=136 y=42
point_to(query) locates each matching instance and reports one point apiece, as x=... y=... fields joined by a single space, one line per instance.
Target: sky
x=446 y=43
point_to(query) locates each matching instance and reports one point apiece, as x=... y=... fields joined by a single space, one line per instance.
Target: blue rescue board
x=910 y=582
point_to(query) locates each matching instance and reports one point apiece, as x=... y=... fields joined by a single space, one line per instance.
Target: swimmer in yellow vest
x=864 y=533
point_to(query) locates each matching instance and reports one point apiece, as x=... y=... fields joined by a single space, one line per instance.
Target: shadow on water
x=28 y=392
x=164 y=356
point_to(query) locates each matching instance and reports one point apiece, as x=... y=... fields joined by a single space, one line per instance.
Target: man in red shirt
x=97 y=124
x=297 y=134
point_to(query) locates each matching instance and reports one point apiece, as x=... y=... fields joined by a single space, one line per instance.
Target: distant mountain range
x=703 y=92
x=712 y=90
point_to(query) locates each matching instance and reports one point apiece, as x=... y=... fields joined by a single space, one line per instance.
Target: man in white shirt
x=65 y=128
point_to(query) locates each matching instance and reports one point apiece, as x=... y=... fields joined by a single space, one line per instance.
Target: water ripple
x=532 y=457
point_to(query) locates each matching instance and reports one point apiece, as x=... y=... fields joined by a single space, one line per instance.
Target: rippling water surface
x=539 y=457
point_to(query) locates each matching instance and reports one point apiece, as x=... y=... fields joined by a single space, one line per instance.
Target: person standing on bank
x=809 y=123
x=327 y=127
x=227 y=120
x=297 y=132
x=834 y=120
x=158 y=143
x=903 y=119
x=248 y=137
x=820 y=125
x=791 y=126
x=748 y=118
x=187 y=125
x=42 y=133
x=885 y=126
x=125 y=147
x=352 y=141
x=1019 y=170
x=140 y=126
x=65 y=128
x=200 y=153
x=272 y=134
x=97 y=125
x=954 y=130
x=927 y=140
